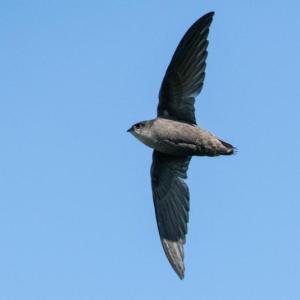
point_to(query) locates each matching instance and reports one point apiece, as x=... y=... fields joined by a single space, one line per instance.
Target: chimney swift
x=175 y=138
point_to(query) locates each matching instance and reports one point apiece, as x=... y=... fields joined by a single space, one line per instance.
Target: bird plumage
x=175 y=138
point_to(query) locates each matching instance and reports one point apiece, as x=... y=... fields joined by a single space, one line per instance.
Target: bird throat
x=146 y=140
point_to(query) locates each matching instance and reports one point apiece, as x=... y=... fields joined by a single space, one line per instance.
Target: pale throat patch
x=147 y=140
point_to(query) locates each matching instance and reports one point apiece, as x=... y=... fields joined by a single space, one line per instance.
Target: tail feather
x=229 y=149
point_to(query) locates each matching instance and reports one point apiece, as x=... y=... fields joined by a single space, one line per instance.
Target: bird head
x=138 y=128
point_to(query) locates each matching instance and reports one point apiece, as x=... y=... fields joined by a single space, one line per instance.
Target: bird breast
x=179 y=138
x=175 y=138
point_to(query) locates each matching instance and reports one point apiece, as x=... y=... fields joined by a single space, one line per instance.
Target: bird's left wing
x=184 y=77
x=171 y=201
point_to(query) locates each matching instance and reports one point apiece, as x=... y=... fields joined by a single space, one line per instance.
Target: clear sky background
x=76 y=213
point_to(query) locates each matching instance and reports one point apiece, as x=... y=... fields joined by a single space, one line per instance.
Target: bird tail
x=229 y=149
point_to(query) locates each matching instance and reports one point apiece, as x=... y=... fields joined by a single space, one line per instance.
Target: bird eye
x=138 y=125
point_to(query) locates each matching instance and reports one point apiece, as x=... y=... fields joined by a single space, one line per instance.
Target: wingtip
x=175 y=255
x=209 y=14
x=180 y=275
x=206 y=19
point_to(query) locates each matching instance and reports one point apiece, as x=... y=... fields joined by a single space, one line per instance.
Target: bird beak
x=129 y=130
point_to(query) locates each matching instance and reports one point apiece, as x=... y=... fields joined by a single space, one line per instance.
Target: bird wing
x=171 y=202
x=185 y=74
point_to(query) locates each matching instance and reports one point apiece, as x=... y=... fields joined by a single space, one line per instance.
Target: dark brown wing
x=184 y=77
x=171 y=201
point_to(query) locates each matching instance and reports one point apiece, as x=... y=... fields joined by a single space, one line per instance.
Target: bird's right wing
x=171 y=201
x=184 y=77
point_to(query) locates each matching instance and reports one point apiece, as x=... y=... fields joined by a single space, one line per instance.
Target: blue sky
x=76 y=213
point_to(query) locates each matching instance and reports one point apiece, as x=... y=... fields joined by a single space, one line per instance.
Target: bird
x=175 y=137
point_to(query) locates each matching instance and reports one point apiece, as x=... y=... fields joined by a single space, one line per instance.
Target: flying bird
x=175 y=138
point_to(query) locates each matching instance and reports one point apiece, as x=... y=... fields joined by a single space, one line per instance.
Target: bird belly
x=211 y=146
x=176 y=138
x=167 y=145
x=176 y=148
x=182 y=139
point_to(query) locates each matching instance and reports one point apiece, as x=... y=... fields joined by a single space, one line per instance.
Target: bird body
x=180 y=138
x=175 y=138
